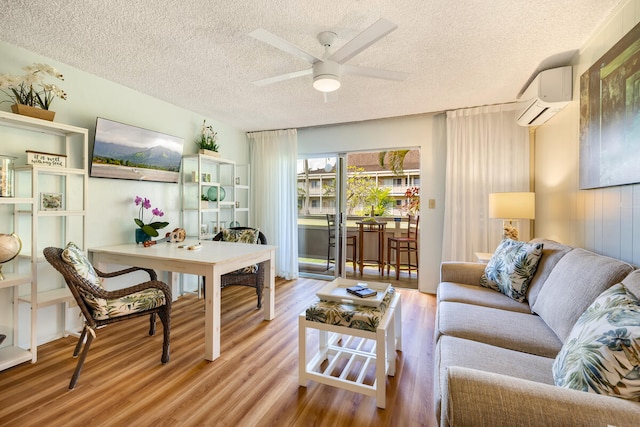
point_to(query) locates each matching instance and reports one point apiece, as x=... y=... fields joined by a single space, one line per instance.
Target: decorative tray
x=337 y=291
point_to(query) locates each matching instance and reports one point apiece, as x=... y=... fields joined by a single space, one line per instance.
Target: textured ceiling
x=197 y=53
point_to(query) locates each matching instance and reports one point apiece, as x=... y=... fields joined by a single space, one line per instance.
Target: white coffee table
x=340 y=343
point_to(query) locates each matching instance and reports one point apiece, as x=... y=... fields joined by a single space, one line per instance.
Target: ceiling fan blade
x=283 y=77
x=375 y=32
x=376 y=73
x=282 y=44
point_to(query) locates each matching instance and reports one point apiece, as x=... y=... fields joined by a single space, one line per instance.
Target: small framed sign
x=51 y=202
x=46 y=159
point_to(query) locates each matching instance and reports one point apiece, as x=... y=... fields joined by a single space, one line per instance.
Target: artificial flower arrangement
x=30 y=88
x=207 y=139
x=151 y=228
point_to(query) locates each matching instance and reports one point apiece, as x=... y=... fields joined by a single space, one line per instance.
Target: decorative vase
x=209 y=152
x=212 y=194
x=141 y=236
x=6 y=175
x=38 y=113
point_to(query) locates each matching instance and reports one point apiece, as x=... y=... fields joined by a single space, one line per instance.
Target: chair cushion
x=511 y=268
x=349 y=315
x=102 y=308
x=242 y=236
x=74 y=256
x=133 y=303
x=602 y=352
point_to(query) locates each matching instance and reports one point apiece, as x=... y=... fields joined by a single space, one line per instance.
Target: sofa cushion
x=452 y=351
x=632 y=283
x=602 y=352
x=511 y=268
x=552 y=252
x=477 y=295
x=578 y=278
x=507 y=329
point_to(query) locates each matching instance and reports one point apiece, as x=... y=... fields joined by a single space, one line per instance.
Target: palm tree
x=395 y=160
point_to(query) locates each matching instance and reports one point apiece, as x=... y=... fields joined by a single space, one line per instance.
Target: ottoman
x=357 y=345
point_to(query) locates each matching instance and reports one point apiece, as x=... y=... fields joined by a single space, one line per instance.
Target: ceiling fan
x=327 y=71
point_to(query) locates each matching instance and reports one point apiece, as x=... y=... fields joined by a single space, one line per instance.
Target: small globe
x=212 y=194
x=10 y=246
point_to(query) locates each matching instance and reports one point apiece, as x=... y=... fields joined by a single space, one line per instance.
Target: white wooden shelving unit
x=205 y=218
x=30 y=279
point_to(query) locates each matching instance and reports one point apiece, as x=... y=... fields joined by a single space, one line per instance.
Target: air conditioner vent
x=547 y=94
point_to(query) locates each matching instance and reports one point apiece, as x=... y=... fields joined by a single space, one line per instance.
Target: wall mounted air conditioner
x=547 y=94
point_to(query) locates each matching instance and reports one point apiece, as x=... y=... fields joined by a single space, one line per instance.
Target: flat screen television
x=128 y=152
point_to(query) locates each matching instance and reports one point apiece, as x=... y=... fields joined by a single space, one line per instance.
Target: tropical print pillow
x=102 y=308
x=602 y=353
x=73 y=255
x=512 y=267
x=250 y=235
x=240 y=236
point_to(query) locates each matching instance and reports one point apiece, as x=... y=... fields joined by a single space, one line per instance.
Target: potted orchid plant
x=31 y=91
x=207 y=142
x=151 y=228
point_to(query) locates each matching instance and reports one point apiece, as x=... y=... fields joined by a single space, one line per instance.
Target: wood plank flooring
x=253 y=383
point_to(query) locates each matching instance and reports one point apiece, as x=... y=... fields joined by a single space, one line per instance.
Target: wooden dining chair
x=252 y=276
x=404 y=245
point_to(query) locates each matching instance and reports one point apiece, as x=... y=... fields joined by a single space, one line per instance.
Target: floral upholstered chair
x=101 y=307
x=252 y=276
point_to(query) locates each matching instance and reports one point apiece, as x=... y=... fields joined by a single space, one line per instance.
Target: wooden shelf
x=13 y=279
x=28 y=220
x=11 y=356
x=52 y=297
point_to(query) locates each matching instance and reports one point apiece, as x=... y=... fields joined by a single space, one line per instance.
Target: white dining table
x=211 y=261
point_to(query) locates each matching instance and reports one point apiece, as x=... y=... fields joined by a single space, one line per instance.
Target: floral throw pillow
x=73 y=255
x=250 y=235
x=240 y=236
x=512 y=267
x=602 y=353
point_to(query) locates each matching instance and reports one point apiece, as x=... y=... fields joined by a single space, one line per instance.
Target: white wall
x=110 y=203
x=605 y=220
x=426 y=132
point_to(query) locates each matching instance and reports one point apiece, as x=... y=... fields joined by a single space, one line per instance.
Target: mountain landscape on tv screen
x=155 y=157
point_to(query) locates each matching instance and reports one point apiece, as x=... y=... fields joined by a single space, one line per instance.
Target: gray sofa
x=494 y=355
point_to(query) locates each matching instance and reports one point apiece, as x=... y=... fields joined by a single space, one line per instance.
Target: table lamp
x=510 y=207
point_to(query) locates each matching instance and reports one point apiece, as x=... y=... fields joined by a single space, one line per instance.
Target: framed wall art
x=51 y=202
x=610 y=116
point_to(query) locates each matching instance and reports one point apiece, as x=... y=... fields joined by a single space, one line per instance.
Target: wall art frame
x=610 y=117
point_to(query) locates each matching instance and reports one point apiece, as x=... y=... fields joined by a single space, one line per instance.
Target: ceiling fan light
x=326 y=83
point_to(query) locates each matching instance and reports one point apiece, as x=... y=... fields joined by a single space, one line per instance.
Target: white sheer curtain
x=273 y=156
x=487 y=152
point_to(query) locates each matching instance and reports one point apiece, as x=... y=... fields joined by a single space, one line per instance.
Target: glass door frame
x=341 y=216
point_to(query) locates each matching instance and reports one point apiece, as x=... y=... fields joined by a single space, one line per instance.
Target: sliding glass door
x=336 y=192
x=321 y=214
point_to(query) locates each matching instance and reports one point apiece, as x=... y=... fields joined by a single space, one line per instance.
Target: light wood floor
x=253 y=383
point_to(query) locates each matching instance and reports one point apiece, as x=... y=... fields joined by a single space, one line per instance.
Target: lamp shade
x=512 y=205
